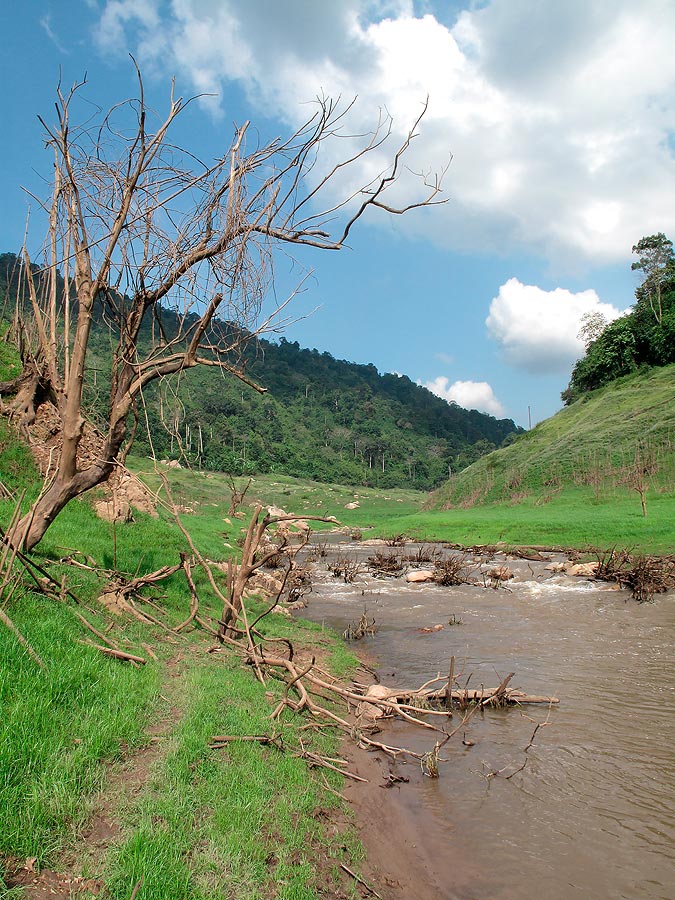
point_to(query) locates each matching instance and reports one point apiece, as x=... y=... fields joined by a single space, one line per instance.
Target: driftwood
x=643 y=575
x=483 y=696
x=273 y=740
x=119 y=593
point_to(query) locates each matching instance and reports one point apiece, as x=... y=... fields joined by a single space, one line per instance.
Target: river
x=592 y=814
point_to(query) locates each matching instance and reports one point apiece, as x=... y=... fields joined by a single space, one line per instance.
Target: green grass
x=573 y=520
x=201 y=490
x=208 y=823
x=590 y=442
x=239 y=822
x=567 y=515
x=226 y=822
x=58 y=725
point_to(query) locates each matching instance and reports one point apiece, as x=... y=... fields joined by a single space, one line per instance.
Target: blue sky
x=559 y=118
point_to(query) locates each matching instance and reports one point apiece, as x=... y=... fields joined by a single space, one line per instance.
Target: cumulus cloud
x=560 y=133
x=469 y=394
x=537 y=329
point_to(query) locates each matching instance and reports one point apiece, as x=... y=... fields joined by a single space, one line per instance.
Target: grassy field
x=593 y=442
x=88 y=739
x=571 y=520
x=569 y=515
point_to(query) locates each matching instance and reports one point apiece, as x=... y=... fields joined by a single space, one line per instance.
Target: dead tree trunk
x=115 y=260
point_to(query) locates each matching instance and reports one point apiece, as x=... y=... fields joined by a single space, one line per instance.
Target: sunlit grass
x=208 y=823
x=573 y=519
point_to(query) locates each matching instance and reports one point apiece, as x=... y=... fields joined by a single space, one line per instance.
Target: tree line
x=642 y=338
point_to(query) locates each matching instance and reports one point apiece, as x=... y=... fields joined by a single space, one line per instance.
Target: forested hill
x=321 y=418
x=643 y=337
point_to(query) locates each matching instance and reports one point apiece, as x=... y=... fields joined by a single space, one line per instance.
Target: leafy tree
x=656 y=261
x=608 y=357
x=643 y=337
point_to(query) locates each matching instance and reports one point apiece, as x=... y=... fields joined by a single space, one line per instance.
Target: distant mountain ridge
x=321 y=418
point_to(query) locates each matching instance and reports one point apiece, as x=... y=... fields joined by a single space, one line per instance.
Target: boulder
x=114 y=510
x=555 y=567
x=583 y=570
x=368 y=710
x=265 y=583
x=419 y=576
x=276 y=511
x=501 y=573
x=354 y=505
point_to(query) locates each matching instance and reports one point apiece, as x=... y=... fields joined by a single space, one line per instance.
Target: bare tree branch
x=173 y=258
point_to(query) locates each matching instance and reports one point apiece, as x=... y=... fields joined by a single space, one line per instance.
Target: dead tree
x=237 y=496
x=138 y=226
x=637 y=474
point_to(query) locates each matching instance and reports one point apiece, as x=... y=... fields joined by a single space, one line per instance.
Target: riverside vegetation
x=191 y=821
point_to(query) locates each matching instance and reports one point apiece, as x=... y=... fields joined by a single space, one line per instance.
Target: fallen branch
x=99 y=634
x=117 y=654
x=360 y=881
x=194 y=599
x=218 y=741
x=315 y=760
x=526 y=750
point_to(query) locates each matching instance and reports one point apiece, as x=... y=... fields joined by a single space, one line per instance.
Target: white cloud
x=538 y=329
x=469 y=394
x=46 y=24
x=558 y=127
x=118 y=15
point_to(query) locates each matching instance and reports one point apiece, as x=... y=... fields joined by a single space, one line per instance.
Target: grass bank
x=574 y=519
x=106 y=773
x=598 y=442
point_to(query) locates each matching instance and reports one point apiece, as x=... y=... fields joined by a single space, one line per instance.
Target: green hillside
x=322 y=418
x=599 y=441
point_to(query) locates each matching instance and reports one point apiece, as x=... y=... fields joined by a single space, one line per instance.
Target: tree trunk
x=31 y=528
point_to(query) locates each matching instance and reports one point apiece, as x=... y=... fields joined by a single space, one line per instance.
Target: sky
x=553 y=124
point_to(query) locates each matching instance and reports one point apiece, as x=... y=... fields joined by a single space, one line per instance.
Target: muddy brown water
x=592 y=815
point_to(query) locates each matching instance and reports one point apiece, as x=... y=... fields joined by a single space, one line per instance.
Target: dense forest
x=644 y=337
x=321 y=418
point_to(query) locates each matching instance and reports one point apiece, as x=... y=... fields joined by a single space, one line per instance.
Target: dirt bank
x=397 y=866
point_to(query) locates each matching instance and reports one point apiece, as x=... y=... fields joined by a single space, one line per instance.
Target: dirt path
x=124 y=783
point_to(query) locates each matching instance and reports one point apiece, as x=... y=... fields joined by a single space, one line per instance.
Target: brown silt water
x=592 y=813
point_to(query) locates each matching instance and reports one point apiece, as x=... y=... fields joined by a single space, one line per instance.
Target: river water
x=592 y=814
